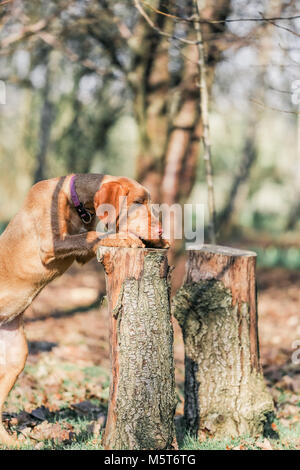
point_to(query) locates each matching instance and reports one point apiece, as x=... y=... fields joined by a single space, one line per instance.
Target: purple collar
x=83 y=213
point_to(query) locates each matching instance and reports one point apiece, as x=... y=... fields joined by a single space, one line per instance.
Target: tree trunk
x=45 y=125
x=293 y=217
x=150 y=81
x=225 y=393
x=166 y=103
x=226 y=216
x=142 y=392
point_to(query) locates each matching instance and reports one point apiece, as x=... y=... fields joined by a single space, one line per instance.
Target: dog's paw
x=165 y=243
x=135 y=242
x=162 y=243
x=123 y=241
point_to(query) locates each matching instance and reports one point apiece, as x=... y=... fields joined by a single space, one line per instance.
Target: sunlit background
x=91 y=87
x=70 y=106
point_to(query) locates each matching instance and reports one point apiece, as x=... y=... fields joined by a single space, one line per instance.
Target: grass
x=62 y=388
x=81 y=436
x=285 y=436
x=83 y=439
x=289 y=439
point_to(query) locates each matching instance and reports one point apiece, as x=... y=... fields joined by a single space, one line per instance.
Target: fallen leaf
x=23 y=419
x=41 y=413
x=87 y=407
x=39 y=446
x=26 y=431
x=264 y=445
x=274 y=427
x=59 y=432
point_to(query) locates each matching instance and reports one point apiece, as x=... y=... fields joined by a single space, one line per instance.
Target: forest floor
x=60 y=400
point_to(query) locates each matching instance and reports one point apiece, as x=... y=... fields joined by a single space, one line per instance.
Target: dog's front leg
x=13 y=354
x=82 y=245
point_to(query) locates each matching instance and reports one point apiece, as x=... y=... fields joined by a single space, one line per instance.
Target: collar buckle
x=85 y=215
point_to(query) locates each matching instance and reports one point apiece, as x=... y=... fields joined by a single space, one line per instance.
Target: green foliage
x=273 y=256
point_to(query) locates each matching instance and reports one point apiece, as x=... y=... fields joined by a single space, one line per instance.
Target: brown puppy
x=44 y=239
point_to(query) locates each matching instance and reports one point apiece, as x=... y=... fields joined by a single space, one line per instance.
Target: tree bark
x=142 y=392
x=225 y=393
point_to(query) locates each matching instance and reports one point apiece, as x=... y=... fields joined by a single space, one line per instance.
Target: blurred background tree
x=113 y=87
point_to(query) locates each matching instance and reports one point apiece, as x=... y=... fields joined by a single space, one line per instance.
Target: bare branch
x=54 y=42
x=212 y=21
x=30 y=30
x=156 y=29
x=273 y=108
x=25 y=32
x=281 y=27
x=206 y=129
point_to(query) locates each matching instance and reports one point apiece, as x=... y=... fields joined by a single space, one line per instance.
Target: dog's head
x=125 y=205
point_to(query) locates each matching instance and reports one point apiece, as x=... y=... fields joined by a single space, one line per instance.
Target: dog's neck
x=86 y=186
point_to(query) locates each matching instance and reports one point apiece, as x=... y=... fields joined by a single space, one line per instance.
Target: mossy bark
x=142 y=393
x=225 y=393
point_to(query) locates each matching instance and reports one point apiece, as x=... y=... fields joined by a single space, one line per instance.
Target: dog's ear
x=109 y=193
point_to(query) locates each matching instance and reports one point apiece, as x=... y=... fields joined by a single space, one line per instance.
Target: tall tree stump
x=225 y=393
x=142 y=391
